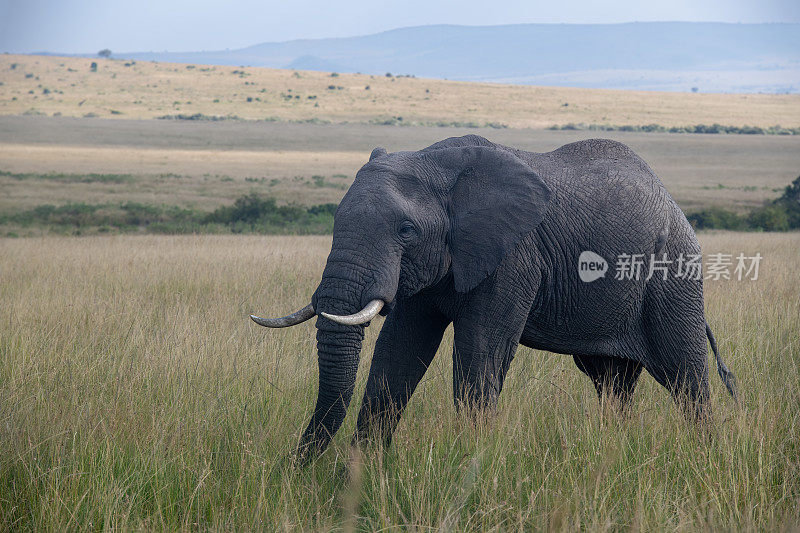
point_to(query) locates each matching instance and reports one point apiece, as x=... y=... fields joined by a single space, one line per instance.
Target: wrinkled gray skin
x=487 y=237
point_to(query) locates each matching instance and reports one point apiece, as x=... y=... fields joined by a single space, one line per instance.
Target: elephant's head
x=409 y=220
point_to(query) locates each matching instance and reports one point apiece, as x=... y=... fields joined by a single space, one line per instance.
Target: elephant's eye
x=407 y=230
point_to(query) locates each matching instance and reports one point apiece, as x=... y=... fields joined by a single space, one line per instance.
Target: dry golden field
x=66 y=86
x=136 y=394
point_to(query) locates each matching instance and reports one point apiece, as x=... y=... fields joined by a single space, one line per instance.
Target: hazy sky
x=183 y=25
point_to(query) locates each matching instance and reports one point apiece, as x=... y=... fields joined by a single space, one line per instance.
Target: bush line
x=697 y=128
x=782 y=214
x=255 y=213
x=64 y=177
x=572 y=126
x=252 y=213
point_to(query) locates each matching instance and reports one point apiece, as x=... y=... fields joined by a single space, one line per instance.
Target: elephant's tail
x=727 y=376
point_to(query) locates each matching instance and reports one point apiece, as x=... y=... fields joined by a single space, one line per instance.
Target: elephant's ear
x=495 y=199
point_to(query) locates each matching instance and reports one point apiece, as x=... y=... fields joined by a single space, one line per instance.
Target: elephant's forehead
x=377 y=181
x=375 y=198
x=404 y=187
x=369 y=223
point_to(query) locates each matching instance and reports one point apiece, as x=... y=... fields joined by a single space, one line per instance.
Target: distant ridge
x=674 y=56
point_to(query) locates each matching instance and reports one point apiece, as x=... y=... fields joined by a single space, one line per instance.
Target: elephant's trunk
x=338 y=355
x=338 y=347
x=350 y=294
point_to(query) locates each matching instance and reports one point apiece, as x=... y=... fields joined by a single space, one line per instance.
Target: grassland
x=68 y=86
x=202 y=166
x=136 y=394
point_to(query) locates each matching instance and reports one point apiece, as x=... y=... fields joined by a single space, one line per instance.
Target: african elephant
x=488 y=238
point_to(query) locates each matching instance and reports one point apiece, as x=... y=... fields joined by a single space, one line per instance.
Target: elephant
x=488 y=238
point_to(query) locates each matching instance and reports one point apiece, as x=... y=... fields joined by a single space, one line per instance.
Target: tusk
x=289 y=320
x=365 y=315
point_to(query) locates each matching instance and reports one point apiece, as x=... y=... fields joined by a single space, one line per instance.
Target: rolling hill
x=670 y=56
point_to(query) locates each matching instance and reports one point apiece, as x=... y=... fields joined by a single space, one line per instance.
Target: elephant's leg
x=674 y=326
x=405 y=347
x=684 y=373
x=478 y=374
x=611 y=376
x=486 y=335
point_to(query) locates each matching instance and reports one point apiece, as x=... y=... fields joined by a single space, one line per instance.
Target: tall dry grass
x=136 y=394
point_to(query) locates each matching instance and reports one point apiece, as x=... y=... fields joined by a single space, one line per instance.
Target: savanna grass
x=136 y=394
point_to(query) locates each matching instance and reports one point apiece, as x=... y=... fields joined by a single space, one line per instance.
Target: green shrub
x=772 y=217
x=260 y=214
x=716 y=218
x=782 y=214
x=789 y=202
x=323 y=210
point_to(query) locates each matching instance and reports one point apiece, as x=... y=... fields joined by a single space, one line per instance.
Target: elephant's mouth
x=361 y=317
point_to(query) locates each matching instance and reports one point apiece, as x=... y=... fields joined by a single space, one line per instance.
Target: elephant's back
x=616 y=186
x=603 y=185
x=601 y=160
